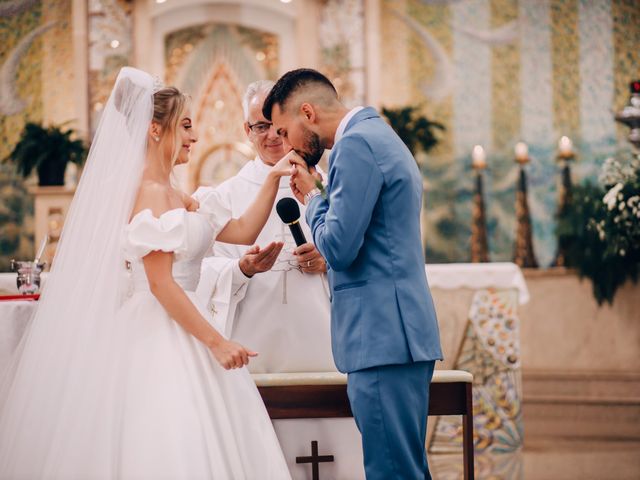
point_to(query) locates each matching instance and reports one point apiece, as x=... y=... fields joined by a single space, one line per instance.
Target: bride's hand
x=286 y=164
x=231 y=355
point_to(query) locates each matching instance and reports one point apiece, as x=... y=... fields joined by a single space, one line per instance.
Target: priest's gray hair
x=255 y=88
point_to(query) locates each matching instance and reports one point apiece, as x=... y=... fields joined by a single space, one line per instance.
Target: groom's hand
x=309 y=259
x=303 y=181
x=303 y=178
x=256 y=260
x=296 y=193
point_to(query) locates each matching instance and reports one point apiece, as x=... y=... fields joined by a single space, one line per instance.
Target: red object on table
x=19 y=297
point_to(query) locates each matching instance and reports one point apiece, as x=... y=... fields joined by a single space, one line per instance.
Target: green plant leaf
x=52 y=146
x=416 y=131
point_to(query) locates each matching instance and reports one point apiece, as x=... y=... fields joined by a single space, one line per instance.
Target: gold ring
x=308 y=263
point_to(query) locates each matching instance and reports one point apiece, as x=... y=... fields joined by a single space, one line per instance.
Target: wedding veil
x=55 y=393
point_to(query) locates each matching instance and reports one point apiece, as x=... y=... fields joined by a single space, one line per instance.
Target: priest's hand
x=257 y=260
x=309 y=259
x=231 y=355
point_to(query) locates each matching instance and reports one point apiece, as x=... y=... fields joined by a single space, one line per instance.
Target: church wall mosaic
x=493 y=72
x=36 y=47
x=527 y=70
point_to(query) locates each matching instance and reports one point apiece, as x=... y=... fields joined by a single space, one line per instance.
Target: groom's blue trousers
x=390 y=404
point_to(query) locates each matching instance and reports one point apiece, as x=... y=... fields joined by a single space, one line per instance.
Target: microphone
x=289 y=213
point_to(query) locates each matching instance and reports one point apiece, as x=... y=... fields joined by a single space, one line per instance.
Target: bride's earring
x=157 y=139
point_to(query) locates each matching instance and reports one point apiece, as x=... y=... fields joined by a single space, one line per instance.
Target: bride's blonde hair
x=168 y=105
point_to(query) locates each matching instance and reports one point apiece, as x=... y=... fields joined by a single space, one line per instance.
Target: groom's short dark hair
x=289 y=84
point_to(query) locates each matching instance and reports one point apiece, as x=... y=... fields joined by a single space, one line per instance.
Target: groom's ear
x=308 y=112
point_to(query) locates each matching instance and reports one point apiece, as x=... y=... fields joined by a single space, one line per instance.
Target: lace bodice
x=189 y=235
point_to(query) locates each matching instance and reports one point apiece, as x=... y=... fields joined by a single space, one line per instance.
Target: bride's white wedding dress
x=182 y=415
x=100 y=388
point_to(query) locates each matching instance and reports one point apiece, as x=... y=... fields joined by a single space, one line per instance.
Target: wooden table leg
x=467 y=436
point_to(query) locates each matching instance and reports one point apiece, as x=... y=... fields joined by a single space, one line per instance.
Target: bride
x=122 y=377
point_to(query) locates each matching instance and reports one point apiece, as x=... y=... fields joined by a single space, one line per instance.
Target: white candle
x=565 y=146
x=43 y=245
x=522 y=151
x=478 y=157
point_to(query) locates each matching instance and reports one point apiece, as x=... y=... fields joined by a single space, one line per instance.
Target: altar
x=477 y=306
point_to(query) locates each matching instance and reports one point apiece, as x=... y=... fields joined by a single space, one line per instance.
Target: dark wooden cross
x=315 y=460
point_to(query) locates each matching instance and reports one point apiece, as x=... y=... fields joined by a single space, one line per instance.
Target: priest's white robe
x=284 y=315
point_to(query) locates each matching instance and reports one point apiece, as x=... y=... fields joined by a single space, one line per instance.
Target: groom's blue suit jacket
x=368 y=230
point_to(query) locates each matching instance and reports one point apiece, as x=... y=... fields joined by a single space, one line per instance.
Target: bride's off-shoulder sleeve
x=215 y=206
x=146 y=233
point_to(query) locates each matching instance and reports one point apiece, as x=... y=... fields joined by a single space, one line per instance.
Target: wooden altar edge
x=324 y=395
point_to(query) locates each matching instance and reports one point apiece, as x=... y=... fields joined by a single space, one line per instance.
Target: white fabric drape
x=54 y=392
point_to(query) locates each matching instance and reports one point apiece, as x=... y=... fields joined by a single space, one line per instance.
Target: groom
x=366 y=225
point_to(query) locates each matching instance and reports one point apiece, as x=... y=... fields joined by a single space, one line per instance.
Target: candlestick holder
x=479 y=243
x=523 y=254
x=565 y=194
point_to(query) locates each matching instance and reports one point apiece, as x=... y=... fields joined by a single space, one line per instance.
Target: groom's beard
x=312 y=149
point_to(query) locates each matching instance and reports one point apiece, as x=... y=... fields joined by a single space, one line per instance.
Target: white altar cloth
x=447 y=276
x=335 y=436
x=477 y=276
x=337 y=378
x=473 y=276
x=14 y=318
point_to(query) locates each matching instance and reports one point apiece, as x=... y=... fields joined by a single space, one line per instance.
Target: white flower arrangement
x=603 y=227
x=615 y=171
x=611 y=197
x=622 y=201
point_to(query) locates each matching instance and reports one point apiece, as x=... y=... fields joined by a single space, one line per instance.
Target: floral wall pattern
x=214 y=64
x=21 y=72
x=342 y=48
x=110 y=48
x=36 y=84
x=496 y=72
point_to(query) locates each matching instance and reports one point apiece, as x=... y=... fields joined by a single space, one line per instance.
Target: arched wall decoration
x=158 y=21
x=221 y=43
x=219 y=113
x=215 y=73
x=225 y=160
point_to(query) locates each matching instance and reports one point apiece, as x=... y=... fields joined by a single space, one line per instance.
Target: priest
x=274 y=299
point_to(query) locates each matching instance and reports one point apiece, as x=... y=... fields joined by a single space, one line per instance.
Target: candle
x=478 y=157
x=565 y=146
x=43 y=244
x=522 y=151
